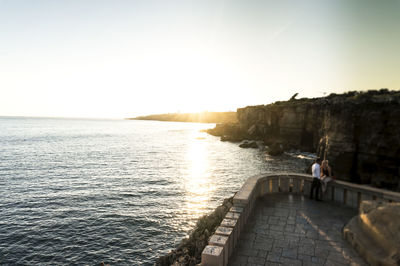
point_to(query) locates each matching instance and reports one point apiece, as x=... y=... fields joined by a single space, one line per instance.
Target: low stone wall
x=222 y=244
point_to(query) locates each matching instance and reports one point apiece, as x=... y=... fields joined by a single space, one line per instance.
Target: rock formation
x=375 y=233
x=358 y=132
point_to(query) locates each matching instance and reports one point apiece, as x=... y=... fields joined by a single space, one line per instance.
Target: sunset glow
x=127 y=58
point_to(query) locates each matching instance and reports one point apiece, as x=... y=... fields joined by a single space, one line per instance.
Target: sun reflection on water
x=198 y=184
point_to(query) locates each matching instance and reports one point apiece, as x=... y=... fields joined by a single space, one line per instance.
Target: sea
x=122 y=192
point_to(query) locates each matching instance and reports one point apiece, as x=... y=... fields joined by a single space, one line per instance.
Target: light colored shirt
x=316 y=171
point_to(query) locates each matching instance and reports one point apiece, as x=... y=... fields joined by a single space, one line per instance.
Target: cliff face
x=359 y=133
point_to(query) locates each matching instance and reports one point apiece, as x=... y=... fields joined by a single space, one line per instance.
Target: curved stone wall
x=223 y=242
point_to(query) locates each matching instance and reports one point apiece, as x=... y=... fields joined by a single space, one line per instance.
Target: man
x=316 y=184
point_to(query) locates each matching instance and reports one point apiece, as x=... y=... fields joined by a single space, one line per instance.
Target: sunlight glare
x=197 y=183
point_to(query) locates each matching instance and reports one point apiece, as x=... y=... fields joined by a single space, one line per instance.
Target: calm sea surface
x=123 y=192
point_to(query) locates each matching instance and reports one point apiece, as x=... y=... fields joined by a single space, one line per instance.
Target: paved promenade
x=288 y=229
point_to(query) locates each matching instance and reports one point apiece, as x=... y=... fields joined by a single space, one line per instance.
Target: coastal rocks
x=189 y=250
x=375 y=232
x=275 y=149
x=248 y=144
x=228 y=132
x=358 y=132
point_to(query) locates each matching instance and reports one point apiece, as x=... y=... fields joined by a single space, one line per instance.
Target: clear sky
x=127 y=58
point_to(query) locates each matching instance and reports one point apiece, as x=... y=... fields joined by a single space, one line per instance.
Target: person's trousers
x=316 y=184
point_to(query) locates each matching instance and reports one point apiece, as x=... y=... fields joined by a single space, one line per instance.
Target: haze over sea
x=80 y=191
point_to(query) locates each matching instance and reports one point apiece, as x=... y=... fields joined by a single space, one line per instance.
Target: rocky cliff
x=358 y=132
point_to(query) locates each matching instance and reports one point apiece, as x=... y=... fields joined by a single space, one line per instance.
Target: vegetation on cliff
x=203 y=117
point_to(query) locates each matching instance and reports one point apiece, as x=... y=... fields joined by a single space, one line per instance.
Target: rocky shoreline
x=189 y=250
x=358 y=132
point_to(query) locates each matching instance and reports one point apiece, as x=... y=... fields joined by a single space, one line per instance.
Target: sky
x=116 y=59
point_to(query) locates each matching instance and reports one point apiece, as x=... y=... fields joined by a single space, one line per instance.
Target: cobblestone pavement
x=288 y=229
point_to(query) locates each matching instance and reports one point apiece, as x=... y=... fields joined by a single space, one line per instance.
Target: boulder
x=375 y=232
x=248 y=144
x=275 y=149
x=231 y=138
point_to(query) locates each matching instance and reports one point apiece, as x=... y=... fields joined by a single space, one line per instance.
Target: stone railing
x=222 y=244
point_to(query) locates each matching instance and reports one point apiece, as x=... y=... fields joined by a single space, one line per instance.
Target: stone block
x=245 y=212
x=221 y=241
x=235 y=208
x=241 y=218
x=375 y=233
x=231 y=223
x=235 y=216
x=212 y=256
x=228 y=232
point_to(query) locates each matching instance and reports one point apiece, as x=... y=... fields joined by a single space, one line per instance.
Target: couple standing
x=321 y=176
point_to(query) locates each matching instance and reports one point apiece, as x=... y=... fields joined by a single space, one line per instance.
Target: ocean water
x=76 y=191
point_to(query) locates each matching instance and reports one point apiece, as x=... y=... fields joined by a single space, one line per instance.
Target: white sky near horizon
x=127 y=58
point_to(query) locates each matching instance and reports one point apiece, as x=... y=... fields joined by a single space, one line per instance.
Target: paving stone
x=306 y=250
x=338 y=257
x=333 y=263
x=281 y=243
x=268 y=263
x=322 y=253
x=277 y=227
x=304 y=258
x=277 y=249
x=306 y=241
x=256 y=260
x=290 y=253
x=262 y=254
x=237 y=263
x=291 y=221
x=273 y=220
x=290 y=262
x=267 y=245
x=238 y=260
x=274 y=256
x=293 y=243
x=248 y=252
x=275 y=234
x=318 y=260
x=291 y=230
x=312 y=234
x=263 y=238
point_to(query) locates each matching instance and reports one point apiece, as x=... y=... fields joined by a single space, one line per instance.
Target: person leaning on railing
x=326 y=175
x=316 y=184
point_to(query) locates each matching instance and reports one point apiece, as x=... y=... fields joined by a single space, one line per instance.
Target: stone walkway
x=288 y=229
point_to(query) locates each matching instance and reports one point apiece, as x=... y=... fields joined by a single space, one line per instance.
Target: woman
x=326 y=175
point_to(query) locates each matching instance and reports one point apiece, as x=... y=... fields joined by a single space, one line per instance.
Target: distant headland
x=203 y=117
